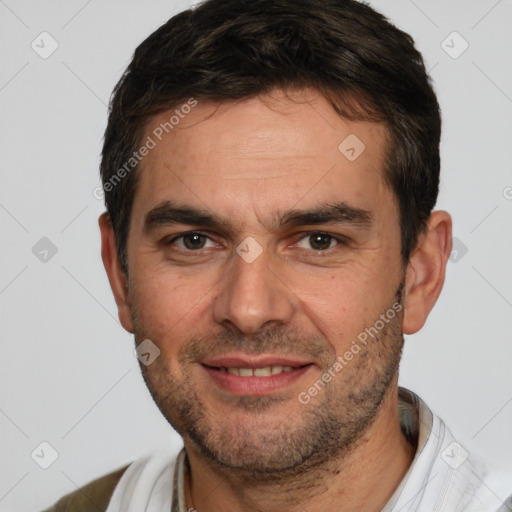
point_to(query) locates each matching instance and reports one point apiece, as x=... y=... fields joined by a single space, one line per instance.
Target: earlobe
x=116 y=276
x=426 y=271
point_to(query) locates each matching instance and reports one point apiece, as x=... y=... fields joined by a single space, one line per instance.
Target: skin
x=249 y=162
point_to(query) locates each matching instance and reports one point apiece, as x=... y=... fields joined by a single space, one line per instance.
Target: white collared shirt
x=443 y=477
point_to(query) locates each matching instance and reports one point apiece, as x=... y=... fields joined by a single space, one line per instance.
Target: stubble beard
x=326 y=428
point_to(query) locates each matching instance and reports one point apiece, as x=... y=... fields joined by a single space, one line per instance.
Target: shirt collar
x=416 y=421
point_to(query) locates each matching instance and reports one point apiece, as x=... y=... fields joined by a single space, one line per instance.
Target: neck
x=363 y=478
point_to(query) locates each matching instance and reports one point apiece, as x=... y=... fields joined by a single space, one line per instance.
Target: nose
x=252 y=296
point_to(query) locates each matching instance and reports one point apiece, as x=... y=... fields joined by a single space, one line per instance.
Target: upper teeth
x=258 y=372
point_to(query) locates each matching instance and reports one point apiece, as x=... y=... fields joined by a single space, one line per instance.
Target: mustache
x=272 y=340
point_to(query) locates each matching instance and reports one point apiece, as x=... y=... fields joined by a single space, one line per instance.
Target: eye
x=192 y=241
x=318 y=241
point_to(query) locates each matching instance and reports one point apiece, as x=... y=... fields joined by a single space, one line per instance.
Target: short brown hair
x=232 y=49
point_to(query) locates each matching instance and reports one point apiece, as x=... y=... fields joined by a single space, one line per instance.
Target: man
x=270 y=168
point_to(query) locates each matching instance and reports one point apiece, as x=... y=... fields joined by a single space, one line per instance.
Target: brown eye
x=193 y=241
x=317 y=241
x=320 y=242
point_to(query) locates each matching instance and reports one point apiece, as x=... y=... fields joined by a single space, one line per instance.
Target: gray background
x=67 y=370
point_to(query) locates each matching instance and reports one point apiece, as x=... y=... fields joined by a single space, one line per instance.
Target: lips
x=250 y=361
x=255 y=375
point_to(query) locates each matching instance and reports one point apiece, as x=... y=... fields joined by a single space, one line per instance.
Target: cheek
x=168 y=306
x=340 y=305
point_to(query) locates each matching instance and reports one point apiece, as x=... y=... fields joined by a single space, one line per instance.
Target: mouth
x=255 y=376
x=265 y=371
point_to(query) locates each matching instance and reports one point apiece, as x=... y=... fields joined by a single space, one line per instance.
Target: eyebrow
x=339 y=213
x=169 y=213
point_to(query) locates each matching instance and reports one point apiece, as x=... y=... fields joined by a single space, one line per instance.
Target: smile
x=265 y=371
x=253 y=379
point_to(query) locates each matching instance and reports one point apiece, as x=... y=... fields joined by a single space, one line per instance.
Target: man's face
x=255 y=242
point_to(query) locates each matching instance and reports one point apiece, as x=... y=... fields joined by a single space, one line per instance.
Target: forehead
x=267 y=153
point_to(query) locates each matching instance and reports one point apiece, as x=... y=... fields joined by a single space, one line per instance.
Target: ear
x=426 y=271
x=116 y=276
